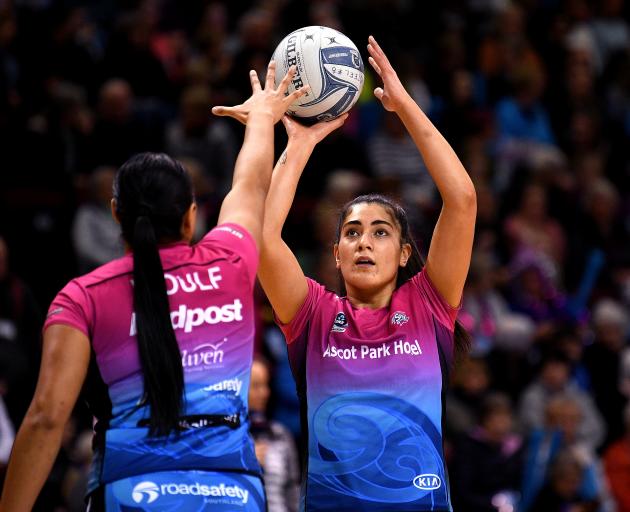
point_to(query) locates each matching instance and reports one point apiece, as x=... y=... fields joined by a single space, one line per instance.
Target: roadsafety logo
x=427 y=482
x=148 y=489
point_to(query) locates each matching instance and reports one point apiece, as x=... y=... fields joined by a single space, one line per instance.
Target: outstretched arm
x=451 y=244
x=65 y=359
x=244 y=204
x=280 y=273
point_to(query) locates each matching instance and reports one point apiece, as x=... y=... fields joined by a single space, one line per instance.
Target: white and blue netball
x=329 y=63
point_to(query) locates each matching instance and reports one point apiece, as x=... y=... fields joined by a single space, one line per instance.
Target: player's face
x=369 y=251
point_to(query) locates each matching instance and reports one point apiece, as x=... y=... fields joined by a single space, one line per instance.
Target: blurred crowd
x=534 y=95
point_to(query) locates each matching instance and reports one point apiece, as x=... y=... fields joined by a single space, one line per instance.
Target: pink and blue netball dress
x=371 y=385
x=211 y=464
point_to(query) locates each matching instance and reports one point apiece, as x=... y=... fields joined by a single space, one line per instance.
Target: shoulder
x=227 y=236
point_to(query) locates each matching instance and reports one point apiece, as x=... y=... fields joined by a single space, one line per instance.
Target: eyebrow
x=374 y=223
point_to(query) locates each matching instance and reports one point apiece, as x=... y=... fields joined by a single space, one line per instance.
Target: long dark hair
x=415 y=263
x=152 y=193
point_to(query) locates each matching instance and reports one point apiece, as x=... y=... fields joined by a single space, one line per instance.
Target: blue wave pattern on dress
x=392 y=442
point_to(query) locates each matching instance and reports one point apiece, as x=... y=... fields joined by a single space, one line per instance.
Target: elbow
x=466 y=200
x=44 y=416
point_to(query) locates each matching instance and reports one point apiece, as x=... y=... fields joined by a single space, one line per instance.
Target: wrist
x=405 y=104
x=301 y=143
x=263 y=114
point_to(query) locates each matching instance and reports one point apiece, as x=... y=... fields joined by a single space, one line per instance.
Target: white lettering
x=341 y=353
x=232 y=385
x=427 y=482
x=188 y=319
x=192 y=282
x=195 y=489
x=404 y=347
x=204 y=355
x=400 y=348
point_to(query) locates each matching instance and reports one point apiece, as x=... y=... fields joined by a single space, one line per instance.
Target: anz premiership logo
x=145 y=492
x=340 y=324
x=427 y=482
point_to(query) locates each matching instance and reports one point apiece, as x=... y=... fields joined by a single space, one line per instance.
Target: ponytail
x=157 y=345
x=152 y=193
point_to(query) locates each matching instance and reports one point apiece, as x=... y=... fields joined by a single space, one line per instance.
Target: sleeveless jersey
x=210 y=292
x=371 y=383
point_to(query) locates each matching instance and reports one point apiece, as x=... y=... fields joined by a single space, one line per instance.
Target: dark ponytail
x=415 y=263
x=152 y=193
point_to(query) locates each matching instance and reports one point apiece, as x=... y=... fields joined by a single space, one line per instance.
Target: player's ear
x=336 y=255
x=405 y=254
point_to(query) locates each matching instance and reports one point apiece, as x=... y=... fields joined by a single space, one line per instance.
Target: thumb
x=220 y=111
x=378 y=92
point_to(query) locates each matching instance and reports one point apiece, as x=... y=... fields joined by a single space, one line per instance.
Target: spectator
x=119 y=132
x=477 y=485
x=559 y=436
x=603 y=361
x=563 y=491
x=469 y=389
x=95 y=234
x=617 y=465
x=553 y=380
x=20 y=321
x=531 y=228
x=275 y=448
x=195 y=134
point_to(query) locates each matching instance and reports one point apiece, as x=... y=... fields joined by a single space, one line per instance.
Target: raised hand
x=311 y=135
x=271 y=99
x=393 y=94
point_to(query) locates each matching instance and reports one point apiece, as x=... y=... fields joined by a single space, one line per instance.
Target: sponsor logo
x=145 y=492
x=148 y=492
x=427 y=482
x=203 y=356
x=192 y=281
x=189 y=318
x=55 y=311
x=292 y=60
x=397 y=348
x=341 y=323
x=399 y=318
x=231 y=385
x=356 y=60
x=230 y=230
x=406 y=347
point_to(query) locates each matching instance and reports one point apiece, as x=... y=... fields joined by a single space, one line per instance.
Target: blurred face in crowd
x=369 y=250
x=534 y=203
x=472 y=377
x=555 y=375
x=498 y=423
x=259 y=387
x=194 y=110
x=611 y=335
x=462 y=87
x=567 y=479
x=115 y=101
x=564 y=415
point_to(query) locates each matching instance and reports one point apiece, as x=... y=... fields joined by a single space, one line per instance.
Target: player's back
x=209 y=287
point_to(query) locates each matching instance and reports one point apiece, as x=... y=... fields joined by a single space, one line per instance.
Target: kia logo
x=427 y=482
